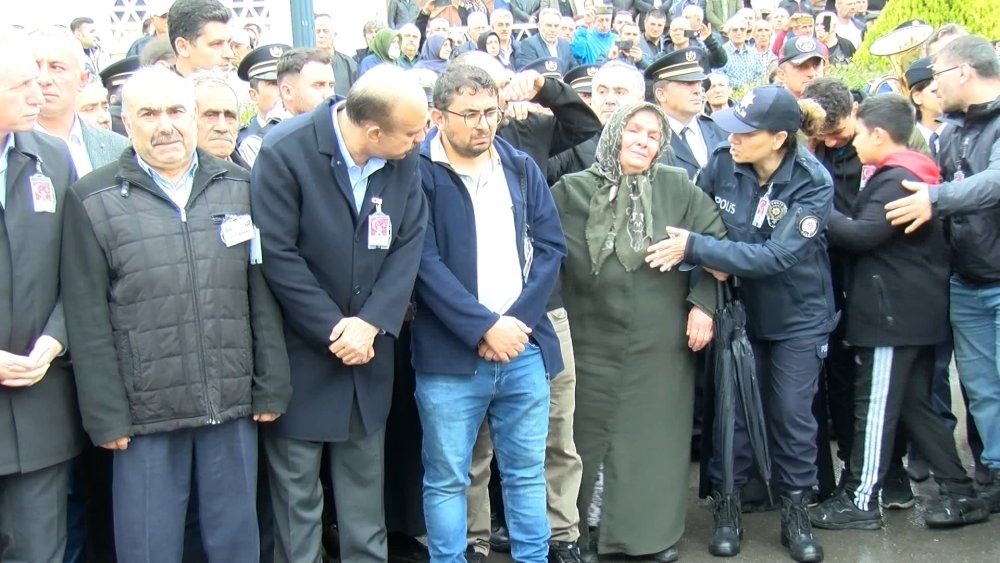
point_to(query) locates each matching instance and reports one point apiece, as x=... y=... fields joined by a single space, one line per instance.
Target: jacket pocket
x=128 y=359
x=881 y=294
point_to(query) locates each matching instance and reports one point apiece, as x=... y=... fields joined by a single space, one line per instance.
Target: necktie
x=697 y=147
x=934 y=144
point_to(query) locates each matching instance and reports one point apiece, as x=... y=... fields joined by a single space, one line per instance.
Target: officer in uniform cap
x=260 y=68
x=548 y=67
x=802 y=59
x=113 y=77
x=677 y=79
x=580 y=78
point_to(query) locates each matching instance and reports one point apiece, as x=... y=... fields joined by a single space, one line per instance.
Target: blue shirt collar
x=165 y=183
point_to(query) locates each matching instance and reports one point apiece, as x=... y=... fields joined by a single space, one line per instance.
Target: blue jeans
x=515 y=397
x=975 y=320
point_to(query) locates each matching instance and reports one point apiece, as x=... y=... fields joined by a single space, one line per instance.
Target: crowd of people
x=460 y=291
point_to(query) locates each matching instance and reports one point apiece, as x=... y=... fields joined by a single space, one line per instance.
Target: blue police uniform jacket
x=448 y=321
x=776 y=242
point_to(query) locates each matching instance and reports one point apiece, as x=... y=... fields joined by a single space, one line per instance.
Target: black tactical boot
x=796 y=531
x=727 y=525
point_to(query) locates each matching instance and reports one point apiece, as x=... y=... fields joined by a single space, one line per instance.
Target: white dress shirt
x=691 y=133
x=498 y=265
x=77 y=150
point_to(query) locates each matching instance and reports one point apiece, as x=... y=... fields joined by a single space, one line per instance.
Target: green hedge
x=981 y=17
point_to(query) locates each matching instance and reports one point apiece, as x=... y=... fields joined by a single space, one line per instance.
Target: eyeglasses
x=936 y=73
x=739 y=29
x=473 y=118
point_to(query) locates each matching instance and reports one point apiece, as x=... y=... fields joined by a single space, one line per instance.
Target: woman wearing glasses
x=634 y=331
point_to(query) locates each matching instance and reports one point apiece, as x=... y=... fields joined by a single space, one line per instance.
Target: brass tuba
x=902 y=46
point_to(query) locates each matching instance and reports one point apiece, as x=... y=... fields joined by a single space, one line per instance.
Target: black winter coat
x=172 y=329
x=897 y=283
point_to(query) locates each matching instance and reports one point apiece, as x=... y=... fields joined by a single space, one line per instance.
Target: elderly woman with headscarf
x=435 y=53
x=384 y=48
x=635 y=330
x=489 y=43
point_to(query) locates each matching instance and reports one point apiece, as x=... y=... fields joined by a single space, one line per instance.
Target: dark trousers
x=33 y=514
x=404 y=470
x=892 y=387
x=788 y=374
x=356 y=471
x=941 y=402
x=156 y=474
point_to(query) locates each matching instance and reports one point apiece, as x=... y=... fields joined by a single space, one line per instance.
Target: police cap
x=262 y=62
x=548 y=66
x=581 y=78
x=116 y=73
x=769 y=108
x=682 y=65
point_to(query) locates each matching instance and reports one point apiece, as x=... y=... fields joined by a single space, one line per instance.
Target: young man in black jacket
x=897 y=302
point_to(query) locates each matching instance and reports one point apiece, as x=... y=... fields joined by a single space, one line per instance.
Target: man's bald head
x=490 y=64
x=391 y=108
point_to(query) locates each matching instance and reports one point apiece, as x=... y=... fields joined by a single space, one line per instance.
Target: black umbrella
x=736 y=380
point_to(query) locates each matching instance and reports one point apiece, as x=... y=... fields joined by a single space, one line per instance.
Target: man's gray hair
x=973 y=50
x=157 y=77
x=634 y=74
x=60 y=34
x=211 y=79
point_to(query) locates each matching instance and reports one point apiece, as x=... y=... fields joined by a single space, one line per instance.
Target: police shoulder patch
x=809 y=226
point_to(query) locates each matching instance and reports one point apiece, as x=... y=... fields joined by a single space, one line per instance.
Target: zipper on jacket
x=213 y=417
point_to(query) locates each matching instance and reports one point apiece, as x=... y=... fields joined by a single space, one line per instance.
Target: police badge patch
x=809 y=226
x=776 y=212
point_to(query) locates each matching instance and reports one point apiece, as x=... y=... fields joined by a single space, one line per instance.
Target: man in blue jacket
x=482 y=344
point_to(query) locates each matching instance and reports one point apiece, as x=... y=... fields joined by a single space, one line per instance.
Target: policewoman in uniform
x=774 y=198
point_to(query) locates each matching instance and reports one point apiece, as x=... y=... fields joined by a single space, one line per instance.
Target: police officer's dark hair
x=461 y=79
x=188 y=18
x=833 y=96
x=916 y=88
x=975 y=51
x=889 y=112
x=293 y=60
x=78 y=22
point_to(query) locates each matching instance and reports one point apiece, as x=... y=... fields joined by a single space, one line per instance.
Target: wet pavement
x=904 y=539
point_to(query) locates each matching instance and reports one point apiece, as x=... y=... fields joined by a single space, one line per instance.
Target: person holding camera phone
x=627 y=49
x=839 y=48
x=682 y=34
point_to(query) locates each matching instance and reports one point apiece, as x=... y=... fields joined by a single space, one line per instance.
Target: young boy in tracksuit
x=897 y=311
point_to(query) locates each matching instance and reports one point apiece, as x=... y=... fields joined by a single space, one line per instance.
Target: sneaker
x=564 y=552
x=840 y=513
x=952 y=510
x=896 y=491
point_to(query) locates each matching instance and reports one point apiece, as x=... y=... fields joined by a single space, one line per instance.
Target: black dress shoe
x=668 y=555
x=500 y=539
x=405 y=549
